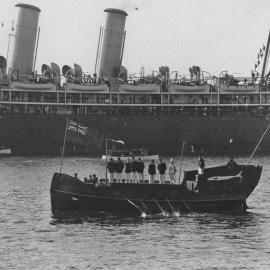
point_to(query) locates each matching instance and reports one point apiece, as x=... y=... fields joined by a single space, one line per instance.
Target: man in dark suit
x=134 y=170
x=119 y=166
x=140 y=169
x=152 y=171
x=162 y=169
x=111 y=169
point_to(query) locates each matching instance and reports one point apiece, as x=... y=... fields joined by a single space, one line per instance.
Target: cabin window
x=49 y=97
x=61 y=97
x=105 y=98
x=88 y=98
x=73 y=98
x=5 y=96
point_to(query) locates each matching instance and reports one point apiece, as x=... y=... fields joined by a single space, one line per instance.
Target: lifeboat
x=239 y=88
x=175 y=88
x=218 y=189
x=18 y=85
x=87 y=87
x=129 y=154
x=140 y=88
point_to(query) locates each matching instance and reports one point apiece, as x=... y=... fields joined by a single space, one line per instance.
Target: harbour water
x=31 y=239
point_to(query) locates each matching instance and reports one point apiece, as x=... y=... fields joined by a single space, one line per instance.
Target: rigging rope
x=247 y=40
x=135 y=53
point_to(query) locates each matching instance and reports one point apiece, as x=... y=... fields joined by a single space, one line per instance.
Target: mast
x=98 y=48
x=122 y=51
x=35 y=58
x=265 y=59
x=9 y=37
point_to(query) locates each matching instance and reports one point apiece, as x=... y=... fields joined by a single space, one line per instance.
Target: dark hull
x=66 y=205
x=43 y=134
x=71 y=195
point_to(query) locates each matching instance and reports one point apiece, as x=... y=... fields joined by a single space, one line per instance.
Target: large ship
x=157 y=111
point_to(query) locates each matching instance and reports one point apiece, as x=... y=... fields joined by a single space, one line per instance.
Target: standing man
x=128 y=171
x=172 y=171
x=119 y=169
x=162 y=169
x=134 y=170
x=231 y=164
x=152 y=172
x=201 y=164
x=140 y=169
x=111 y=169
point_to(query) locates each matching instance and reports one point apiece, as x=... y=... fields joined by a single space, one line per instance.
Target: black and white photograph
x=135 y=134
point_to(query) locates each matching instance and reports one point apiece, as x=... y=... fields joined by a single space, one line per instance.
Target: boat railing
x=82 y=99
x=133 y=102
x=252 y=111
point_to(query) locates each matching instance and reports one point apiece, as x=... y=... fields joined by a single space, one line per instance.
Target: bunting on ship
x=259 y=56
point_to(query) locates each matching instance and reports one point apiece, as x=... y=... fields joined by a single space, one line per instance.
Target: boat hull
x=72 y=195
x=66 y=205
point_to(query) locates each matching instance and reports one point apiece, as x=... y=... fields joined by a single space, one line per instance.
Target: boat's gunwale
x=237 y=198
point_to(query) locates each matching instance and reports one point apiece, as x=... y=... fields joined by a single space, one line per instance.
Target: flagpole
x=63 y=148
x=181 y=161
x=106 y=164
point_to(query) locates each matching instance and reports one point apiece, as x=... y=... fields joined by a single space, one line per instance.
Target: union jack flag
x=76 y=127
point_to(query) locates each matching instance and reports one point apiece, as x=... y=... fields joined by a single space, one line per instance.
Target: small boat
x=141 y=88
x=218 y=189
x=128 y=154
x=5 y=151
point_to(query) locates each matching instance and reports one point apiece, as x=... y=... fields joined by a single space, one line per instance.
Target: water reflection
x=202 y=219
x=102 y=218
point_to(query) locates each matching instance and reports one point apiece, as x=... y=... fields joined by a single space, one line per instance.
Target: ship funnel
x=113 y=41
x=25 y=38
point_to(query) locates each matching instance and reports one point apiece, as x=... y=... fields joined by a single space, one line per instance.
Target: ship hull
x=37 y=134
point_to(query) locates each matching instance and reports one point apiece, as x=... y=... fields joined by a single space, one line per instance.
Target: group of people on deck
x=231 y=165
x=132 y=171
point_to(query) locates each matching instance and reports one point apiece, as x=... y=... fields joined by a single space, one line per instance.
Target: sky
x=216 y=35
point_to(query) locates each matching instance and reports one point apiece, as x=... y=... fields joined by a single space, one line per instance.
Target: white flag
x=117 y=141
